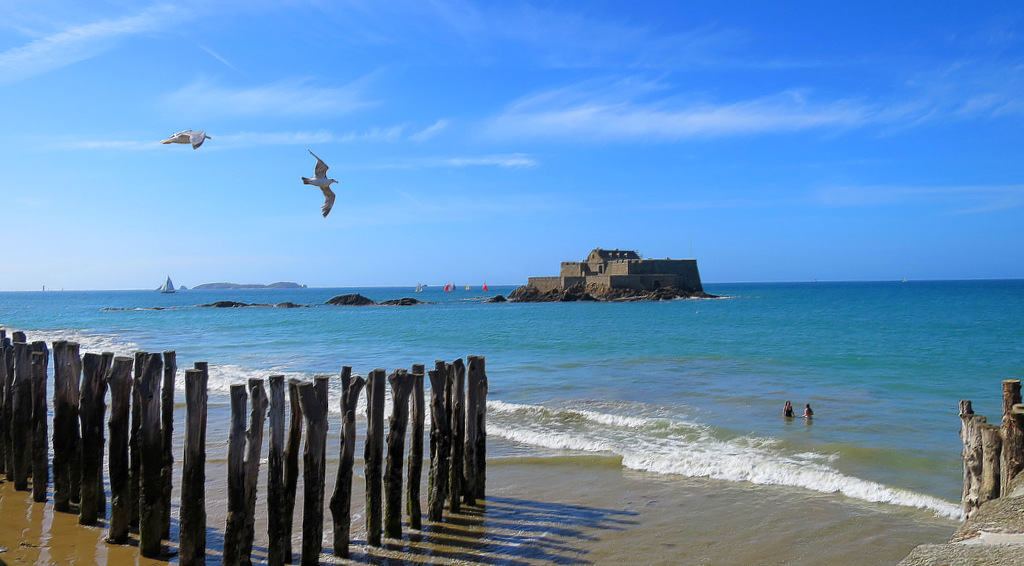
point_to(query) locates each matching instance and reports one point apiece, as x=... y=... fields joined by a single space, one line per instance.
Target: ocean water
x=685 y=388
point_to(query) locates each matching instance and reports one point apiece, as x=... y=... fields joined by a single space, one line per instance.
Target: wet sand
x=543 y=511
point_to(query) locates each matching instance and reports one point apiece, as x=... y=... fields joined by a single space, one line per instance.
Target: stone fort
x=624 y=269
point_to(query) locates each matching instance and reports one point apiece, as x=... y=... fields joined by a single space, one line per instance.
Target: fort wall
x=623 y=270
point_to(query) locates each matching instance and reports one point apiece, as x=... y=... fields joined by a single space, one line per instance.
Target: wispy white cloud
x=120 y=145
x=431 y=131
x=82 y=42
x=217 y=56
x=291 y=97
x=626 y=112
x=243 y=139
x=963 y=199
x=510 y=160
x=256 y=139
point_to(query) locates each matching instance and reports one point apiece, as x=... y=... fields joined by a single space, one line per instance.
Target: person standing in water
x=787 y=411
x=808 y=413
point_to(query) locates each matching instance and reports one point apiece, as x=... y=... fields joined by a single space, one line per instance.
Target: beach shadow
x=500 y=530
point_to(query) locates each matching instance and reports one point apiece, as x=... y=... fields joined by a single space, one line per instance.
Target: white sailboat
x=167 y=287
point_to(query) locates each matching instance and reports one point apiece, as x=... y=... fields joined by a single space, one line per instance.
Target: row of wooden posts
x=140 y=460
x=993 y=455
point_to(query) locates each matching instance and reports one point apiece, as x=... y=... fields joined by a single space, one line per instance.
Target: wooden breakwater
x=993 y=455
x=992 y=533
x=136 y=438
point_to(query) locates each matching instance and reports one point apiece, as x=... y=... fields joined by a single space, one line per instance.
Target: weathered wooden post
x=4 y=425
x=67 y=449
x=40 y=444
x=373 y=454
x=401 y=388
x=92 y=409
x=119 y=381
x=474 y=377
x=1012 y=460
x=440 y=443
x=254 y=448
x=972 y=455
x=167 y=437
x=6 y=379
x=278 y=539
x=234 y=530
x=458 y=371
x=291 y=462
x=312 y=476
x=320 y=385
x=991 y=447
x=192 y=519
x=415 y=471
x=21 y=421
x=151 y=447
x=341 y=501
x=134 y=453
x=481 y=427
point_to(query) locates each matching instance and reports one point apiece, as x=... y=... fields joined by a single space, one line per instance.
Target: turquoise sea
x=685 y=388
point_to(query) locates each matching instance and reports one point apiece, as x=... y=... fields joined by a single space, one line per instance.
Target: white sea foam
x=669 y=446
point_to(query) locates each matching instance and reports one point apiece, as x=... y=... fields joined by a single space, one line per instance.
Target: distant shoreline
x=221 y=286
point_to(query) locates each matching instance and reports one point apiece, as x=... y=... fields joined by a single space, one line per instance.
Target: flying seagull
x=321 y=180
x=194 y=137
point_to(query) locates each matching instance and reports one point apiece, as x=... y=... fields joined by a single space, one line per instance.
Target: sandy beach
x=543 y=511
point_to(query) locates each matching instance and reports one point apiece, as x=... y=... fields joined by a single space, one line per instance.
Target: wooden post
x=40 y=443
x=373 y=454
x=4 y=424
x=6 y=399
x=991 y=445
x=93 y=407
x=167 y=437
x=320 y=384
x=278 y=539
x=151 y=447
x=481 y=428
x=1012 y=460
x=119 y=380
x=1011 y=394
x=192 y=520
x=134 y=454
x=972 y=456
x=254 y=448
x=21 y=420
x=401 y=388
x=234 y=532
x=312 y=477
x=440 y=444
x=291 y=462
x=458 y=436
x=415 y=471
x=67 y=449
x=341 y=501
x=469 y=467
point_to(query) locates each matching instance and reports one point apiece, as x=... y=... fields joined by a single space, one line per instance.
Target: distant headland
x=278 y=285
x=616 y=275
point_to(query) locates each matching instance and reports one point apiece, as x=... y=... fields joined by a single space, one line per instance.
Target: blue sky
x=473 y=142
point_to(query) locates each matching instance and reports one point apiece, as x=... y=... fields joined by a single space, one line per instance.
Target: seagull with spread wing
x=194 y=137
x=321 y=180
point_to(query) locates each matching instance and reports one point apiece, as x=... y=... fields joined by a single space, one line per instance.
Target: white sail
x=167 y=287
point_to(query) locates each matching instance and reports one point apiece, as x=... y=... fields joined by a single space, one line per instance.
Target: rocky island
x=616 y=275
x=220 y=286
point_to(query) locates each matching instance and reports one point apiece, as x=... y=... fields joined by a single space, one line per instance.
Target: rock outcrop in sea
x=597 y=292
x=357 y=300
